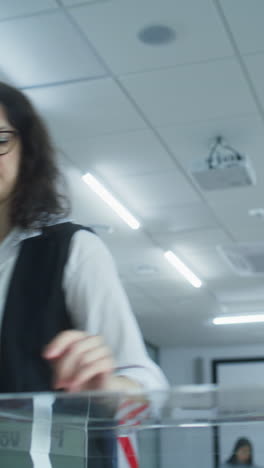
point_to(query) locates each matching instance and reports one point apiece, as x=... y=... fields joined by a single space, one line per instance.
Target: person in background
x=65 y=321
x=242 y=454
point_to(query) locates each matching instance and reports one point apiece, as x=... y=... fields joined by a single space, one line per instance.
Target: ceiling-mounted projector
x=223 y=168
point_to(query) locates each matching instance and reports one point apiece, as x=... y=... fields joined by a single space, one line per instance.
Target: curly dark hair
x=35 y=199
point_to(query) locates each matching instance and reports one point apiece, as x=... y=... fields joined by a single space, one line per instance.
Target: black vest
x=35 y=312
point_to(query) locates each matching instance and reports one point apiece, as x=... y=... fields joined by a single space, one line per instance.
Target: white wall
x=194 y=447
x=179 y=364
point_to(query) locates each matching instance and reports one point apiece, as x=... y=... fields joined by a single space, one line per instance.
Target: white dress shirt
x=95 y=300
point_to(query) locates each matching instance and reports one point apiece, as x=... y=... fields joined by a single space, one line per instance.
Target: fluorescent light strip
x=101 y=191
x=183 y=269
x=237 y=319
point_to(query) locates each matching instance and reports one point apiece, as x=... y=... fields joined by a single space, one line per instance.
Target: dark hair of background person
x=242 y=442
x=35 y=198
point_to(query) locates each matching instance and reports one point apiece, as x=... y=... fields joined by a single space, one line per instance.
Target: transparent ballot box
x=193 y=426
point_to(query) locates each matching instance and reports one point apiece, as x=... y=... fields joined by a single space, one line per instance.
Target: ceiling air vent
x=245 y=259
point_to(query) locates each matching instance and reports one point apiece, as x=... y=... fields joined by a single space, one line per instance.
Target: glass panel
x=193 y=426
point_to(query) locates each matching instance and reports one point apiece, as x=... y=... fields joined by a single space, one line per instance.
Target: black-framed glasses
x=7 y=141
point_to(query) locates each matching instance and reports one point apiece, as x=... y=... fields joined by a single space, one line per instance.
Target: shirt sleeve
x=98 y=304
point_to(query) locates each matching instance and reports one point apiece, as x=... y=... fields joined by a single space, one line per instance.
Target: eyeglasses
x=7 y=141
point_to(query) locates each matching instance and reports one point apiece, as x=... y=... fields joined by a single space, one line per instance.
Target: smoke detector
x=157 y=34
x=244 y=259
x=223 y=168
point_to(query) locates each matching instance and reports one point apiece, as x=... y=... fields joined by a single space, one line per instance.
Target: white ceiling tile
x=255 y=65
x=154 y=190
x=232 y=208
x=141 y=303
x=245 y=19
x=30 y=56
x=196 y=307
x=218 y=90
x=88 y=108
x=14 y=8
x=191 y=241
x=250 y=232
x=174 y=219
x=162 y=270
x=128 y=245
x=184 y=324
x=178 y=332
x=117 y=155
x=128 y=265
x=169 y=292
x=244 y=294
x=237 y=335
x=133 y=291
x=199 y=32
x=206 y=263
x=71 y=3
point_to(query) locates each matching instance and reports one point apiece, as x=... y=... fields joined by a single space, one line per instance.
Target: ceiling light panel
x=183 y=269
x=108 y=198
x=238 y=319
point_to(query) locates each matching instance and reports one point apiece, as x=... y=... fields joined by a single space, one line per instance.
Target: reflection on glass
x=102 y=430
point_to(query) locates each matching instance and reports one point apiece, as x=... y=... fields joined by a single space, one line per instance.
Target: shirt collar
x=10 y=245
